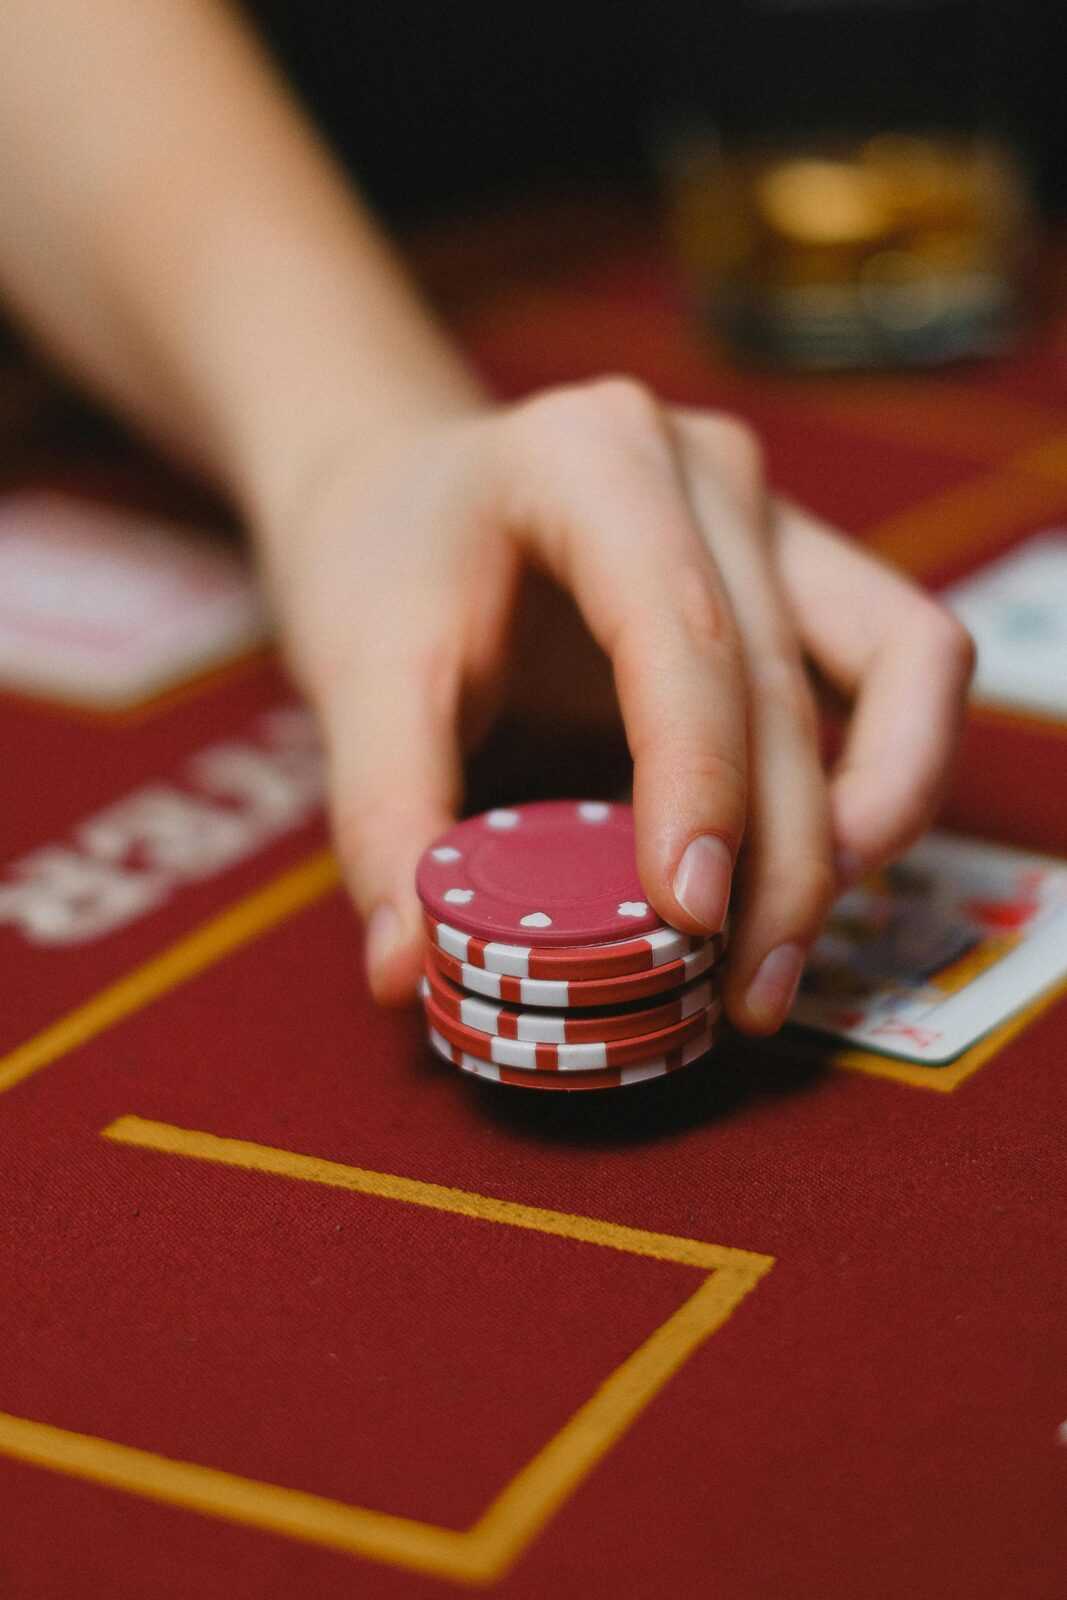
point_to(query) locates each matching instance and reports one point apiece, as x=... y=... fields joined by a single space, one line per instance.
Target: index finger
x=611 y=520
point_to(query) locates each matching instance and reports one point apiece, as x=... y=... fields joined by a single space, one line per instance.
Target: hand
x=706 y=595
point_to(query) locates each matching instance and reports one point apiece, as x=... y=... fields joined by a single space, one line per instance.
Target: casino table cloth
x=289 y=1307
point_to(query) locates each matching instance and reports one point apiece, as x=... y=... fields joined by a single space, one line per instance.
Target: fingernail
x=772 y=990
x=849 y=868
x=382 y=938
x=702 y=881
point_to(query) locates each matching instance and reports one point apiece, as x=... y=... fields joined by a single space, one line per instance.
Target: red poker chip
x=561 y=993
x=612 y=960
x=556 y=1027
x=612 y=1078
x=590 y=1056
x=557 y=872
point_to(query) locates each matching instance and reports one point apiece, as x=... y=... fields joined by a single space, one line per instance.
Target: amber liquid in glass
x=896 y=249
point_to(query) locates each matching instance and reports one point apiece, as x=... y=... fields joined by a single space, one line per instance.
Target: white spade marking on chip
x=445 y=852
x=459 y=897
x=633 y=908
x=503 y=819
x=594 y=811
x=535 y=919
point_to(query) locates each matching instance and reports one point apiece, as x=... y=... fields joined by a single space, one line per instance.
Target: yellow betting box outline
x=238 y=925
x=153 y=702
x=965 y=517
x=984 y=427
x=476 y=1555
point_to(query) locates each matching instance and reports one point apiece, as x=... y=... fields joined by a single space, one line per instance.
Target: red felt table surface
x=308 y=1324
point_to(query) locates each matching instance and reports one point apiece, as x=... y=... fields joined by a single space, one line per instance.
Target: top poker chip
x=557 y=872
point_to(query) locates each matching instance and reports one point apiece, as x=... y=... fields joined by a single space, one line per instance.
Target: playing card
x=1016 y=608
x=928 y=955
x=106 y=606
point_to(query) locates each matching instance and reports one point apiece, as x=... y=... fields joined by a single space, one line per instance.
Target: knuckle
x=692 y=765
x=779 y=684
x=952 y=644
x=689 y=624
x=612 y=404
x=625 y=399
x=800 y=891
x=703 y=612
x=816 y=885
x=931 y=627
x=738 y=445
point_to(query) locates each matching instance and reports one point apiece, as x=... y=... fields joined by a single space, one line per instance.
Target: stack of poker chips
x=546 y=967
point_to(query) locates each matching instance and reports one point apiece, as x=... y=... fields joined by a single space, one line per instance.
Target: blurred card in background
x=924 y=958
x=1016 y=608
x=105 y=606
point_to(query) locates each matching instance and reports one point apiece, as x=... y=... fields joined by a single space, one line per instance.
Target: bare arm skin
x=176 y=233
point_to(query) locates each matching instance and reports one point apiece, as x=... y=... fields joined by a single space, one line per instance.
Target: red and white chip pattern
x=561 y=877
x=563 y=1027
x=612 y=1078
x=591 y=1056
x=560 y=872
x=611 y=960
x=576 y=993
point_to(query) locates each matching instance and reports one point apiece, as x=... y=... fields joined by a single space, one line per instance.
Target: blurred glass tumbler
x=849 y=212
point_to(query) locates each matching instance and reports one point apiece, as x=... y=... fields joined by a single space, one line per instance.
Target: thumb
x=394 y=784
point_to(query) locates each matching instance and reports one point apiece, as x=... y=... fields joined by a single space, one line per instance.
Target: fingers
x=613 y=524
x=788 y=874
x=907 y=662
x=390 y=718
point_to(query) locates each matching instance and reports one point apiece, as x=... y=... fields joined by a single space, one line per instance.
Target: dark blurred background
x=445 y=108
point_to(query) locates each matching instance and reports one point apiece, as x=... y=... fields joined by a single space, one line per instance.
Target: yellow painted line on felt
x=540 y=1488
x=213 y=678
x=294 y=889
x=1041 y=723
x=170 y=1140
x=267 y=1506
x=479 y=1555
x=1045 y=459
x=966 y=519
x=944 y=1080
x=156 y=701
x=483 y=1553
x=985 y=428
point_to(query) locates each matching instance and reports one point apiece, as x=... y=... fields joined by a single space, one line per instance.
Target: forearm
x=175 y=233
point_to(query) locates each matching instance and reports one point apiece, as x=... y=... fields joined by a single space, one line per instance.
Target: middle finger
x=787 y=879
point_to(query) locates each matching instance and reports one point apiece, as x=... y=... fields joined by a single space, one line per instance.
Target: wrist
x=289 y=486
x=327 y=469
